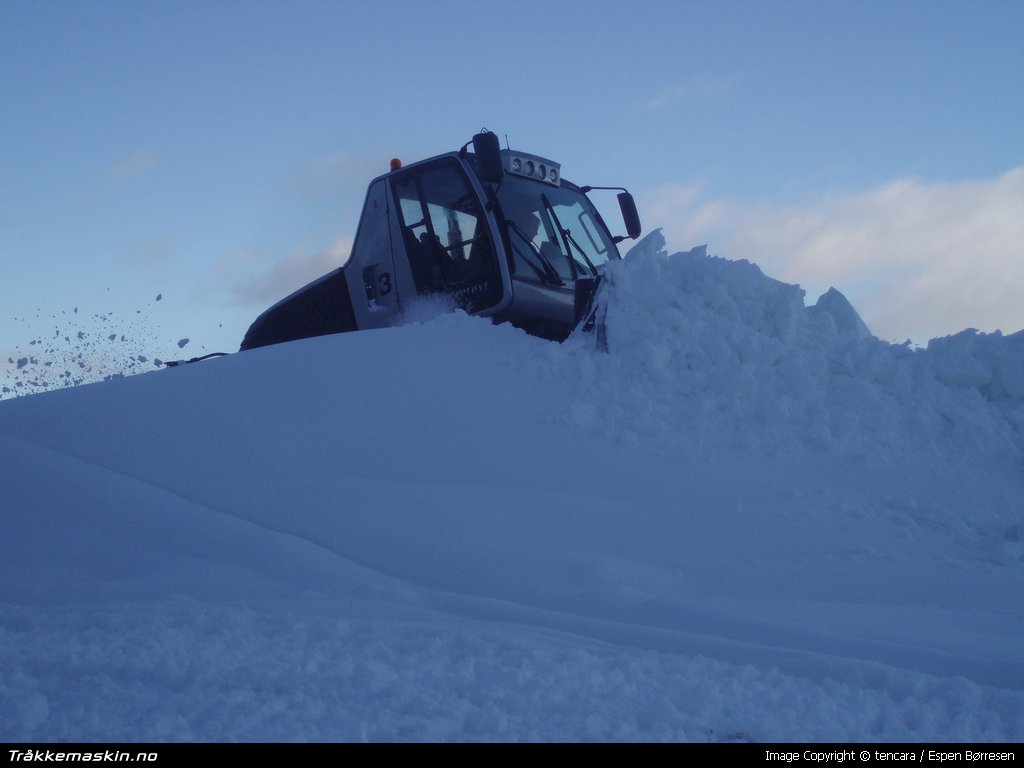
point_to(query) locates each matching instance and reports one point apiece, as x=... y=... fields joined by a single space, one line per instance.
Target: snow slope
x=749 y=520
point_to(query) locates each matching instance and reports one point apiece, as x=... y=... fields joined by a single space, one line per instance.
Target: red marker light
x=395 y=163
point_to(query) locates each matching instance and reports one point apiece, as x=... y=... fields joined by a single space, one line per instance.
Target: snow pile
x=706 y=353
x=747 y=521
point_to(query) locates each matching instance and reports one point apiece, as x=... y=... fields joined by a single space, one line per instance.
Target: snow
x=69 y=348
x=748 y=520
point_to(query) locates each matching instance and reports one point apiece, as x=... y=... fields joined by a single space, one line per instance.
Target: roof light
x=532 y=167
x=395 y=164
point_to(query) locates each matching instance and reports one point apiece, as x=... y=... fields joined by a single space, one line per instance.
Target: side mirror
x=488 y=157
x=630 y=217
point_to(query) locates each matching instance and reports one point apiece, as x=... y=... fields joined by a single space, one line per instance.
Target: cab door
x=370 y=272
x=446 y=235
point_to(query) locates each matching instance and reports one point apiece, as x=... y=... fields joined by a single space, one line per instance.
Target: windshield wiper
x=548 y=274
x=567 y=236
x=571 y=239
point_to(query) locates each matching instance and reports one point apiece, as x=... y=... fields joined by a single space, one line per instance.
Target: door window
x=446 y=235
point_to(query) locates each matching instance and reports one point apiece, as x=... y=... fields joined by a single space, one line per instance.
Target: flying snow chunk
x=182 y=343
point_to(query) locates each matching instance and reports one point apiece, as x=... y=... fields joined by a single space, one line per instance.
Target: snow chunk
x=993 y=364
x=836 y=306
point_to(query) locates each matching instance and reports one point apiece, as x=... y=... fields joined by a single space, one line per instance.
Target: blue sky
x=217 y=153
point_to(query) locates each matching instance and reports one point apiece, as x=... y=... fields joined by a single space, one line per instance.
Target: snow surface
x=747 y=521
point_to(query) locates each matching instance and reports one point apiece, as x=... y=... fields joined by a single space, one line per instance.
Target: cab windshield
x=554 y=233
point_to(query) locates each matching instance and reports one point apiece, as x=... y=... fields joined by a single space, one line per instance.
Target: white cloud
x=917 y=259
x=135 y=164
x=253 y=278
x=323 y=177
x=156 y=252
x=699 y=87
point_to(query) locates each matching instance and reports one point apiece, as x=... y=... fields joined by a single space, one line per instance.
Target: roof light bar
x=532 y=167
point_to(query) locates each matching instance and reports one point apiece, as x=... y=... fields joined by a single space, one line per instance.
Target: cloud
x=323 y=177
x=700 y=87
x=253 y=278
x=135 y=164
x=156 y=252
x=917 y=259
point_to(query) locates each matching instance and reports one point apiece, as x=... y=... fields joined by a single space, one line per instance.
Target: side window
x=446 y=236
